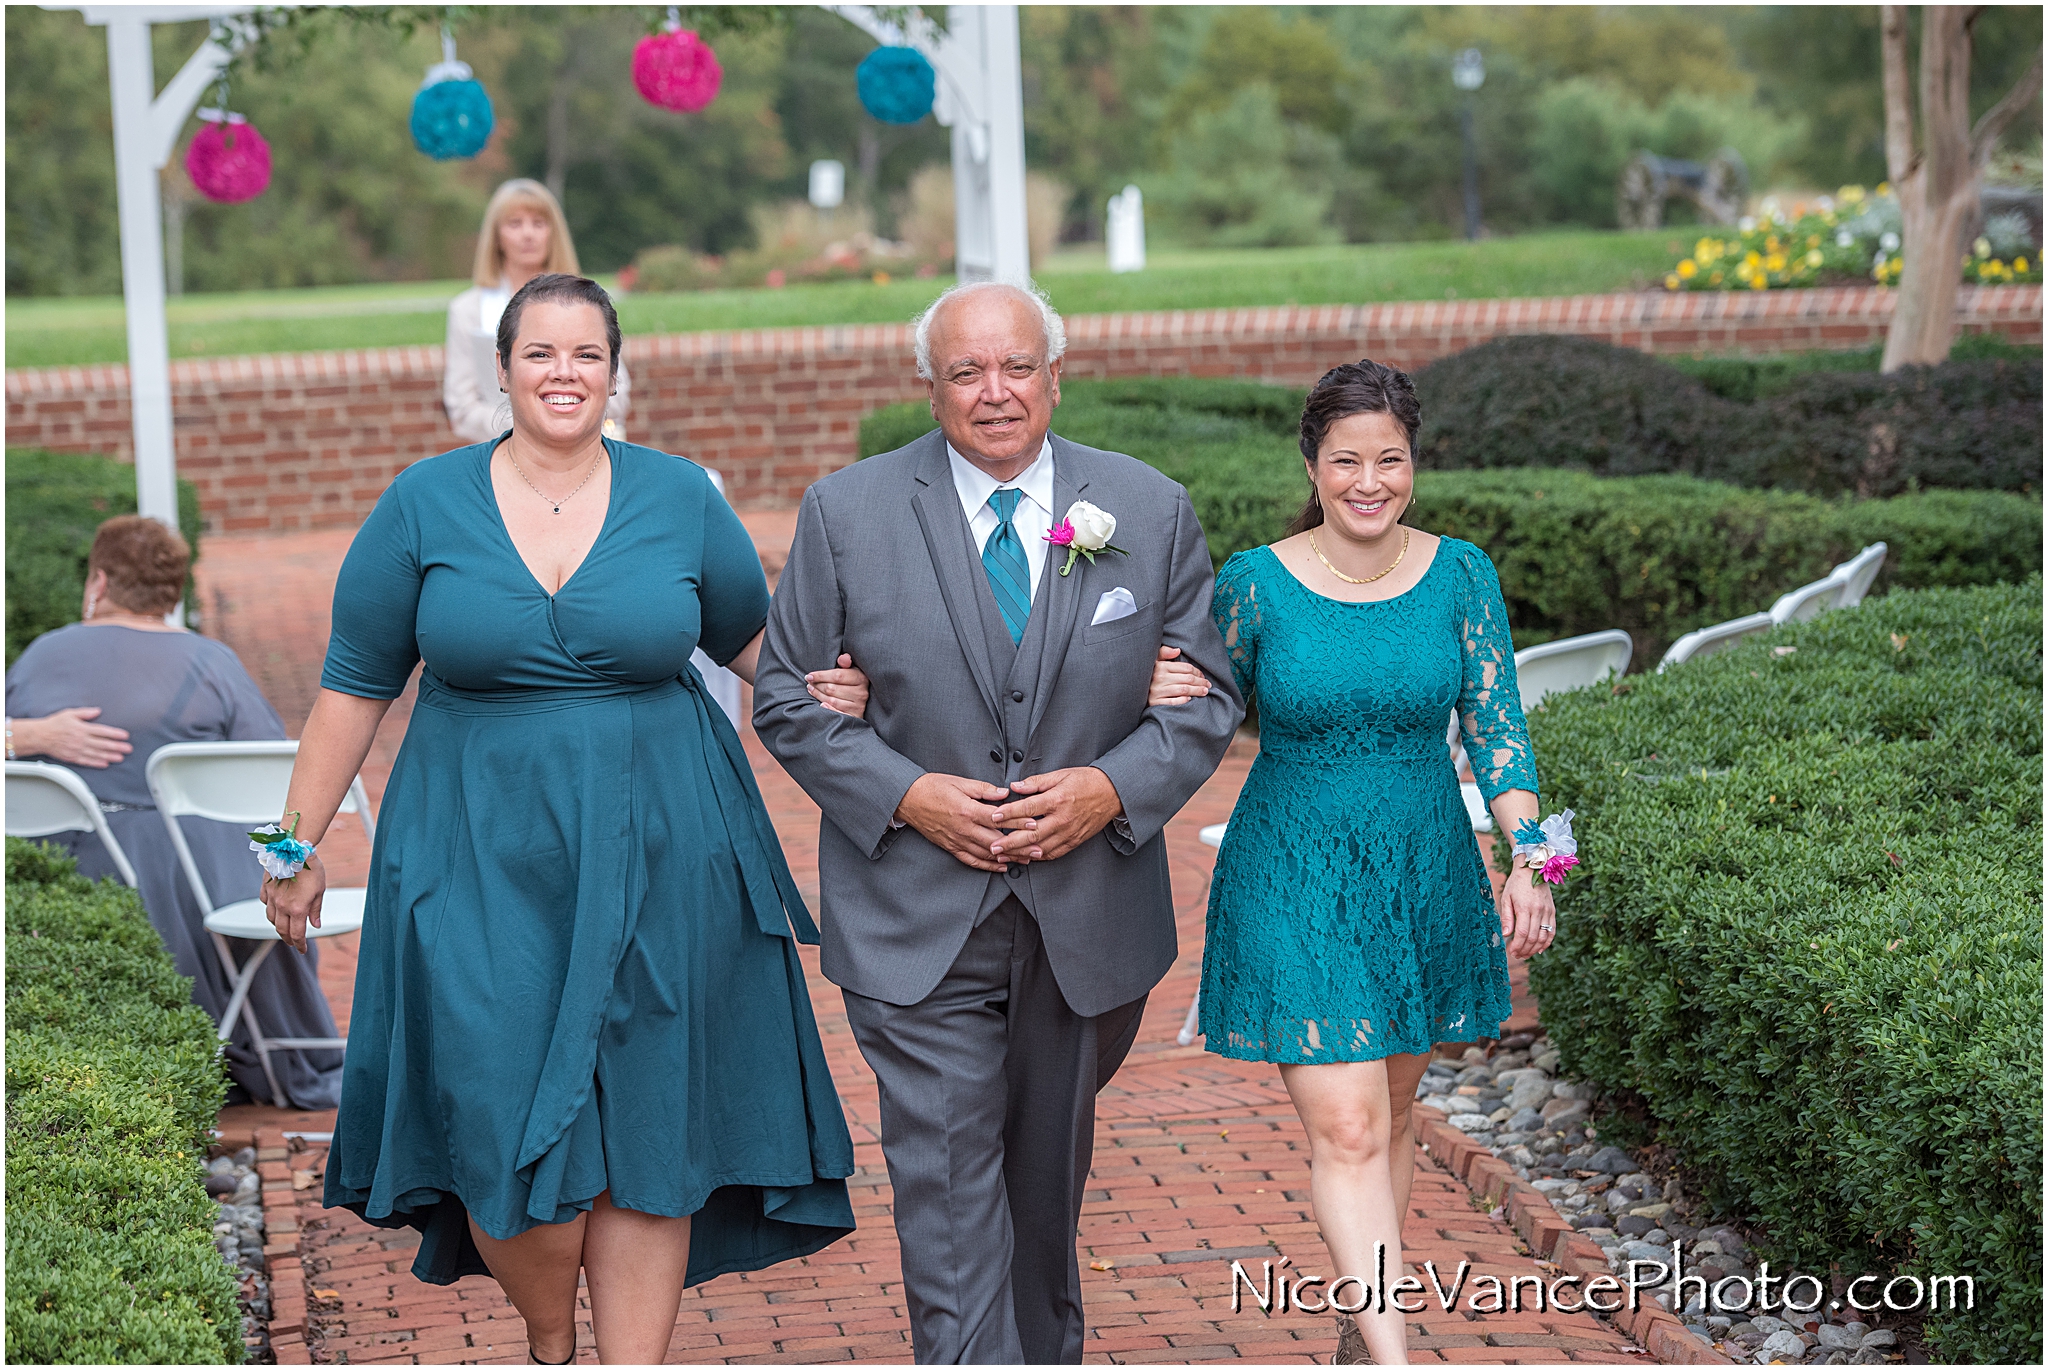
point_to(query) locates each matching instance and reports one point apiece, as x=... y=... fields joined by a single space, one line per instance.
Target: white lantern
x=1126 y=230
x=828 y=184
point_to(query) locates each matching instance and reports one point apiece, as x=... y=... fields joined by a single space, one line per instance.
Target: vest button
x=1013 y=871
x=1016 y=696
x=995 y=756
x=1016 y=756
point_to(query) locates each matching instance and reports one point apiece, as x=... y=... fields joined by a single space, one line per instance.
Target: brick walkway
x=1198 y=1161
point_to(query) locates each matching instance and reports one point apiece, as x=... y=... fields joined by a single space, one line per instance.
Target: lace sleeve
x=1236 y=610
x=1490 y=718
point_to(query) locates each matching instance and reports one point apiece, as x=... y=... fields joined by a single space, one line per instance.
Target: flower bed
x=112 y=1083
x=1809 y=937
x=1839 y=239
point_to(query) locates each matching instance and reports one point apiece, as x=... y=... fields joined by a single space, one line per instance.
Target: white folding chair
x=1549 y=668
x=1857 y=574
x=1707 y=641
x=1211 y=836
x=719 y=681
x=1809 y=602
x=43 y=800
x=245 y=783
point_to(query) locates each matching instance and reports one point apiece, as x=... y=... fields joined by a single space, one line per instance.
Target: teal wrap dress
x=578 y=969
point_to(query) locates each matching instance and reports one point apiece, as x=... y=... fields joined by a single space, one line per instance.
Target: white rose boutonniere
x=1085 y=531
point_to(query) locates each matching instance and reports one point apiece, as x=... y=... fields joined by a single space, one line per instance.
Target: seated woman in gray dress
x=101 y=696
x=581 y=1037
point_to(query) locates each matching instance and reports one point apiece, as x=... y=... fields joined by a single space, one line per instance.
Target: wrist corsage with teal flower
x=279 y=850
x=1548 y=847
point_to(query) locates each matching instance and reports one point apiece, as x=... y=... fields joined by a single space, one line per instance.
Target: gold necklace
x=558 y=503
x=1354 y=580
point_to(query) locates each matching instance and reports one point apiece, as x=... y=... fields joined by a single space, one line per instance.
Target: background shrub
x=1657 y=555
x=1663 y=555
x=1973 y=424
x=56 y=501
x=1809 y=936
x=112 y=1082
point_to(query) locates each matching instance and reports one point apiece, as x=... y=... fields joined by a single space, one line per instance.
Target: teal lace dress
x=1350 y=916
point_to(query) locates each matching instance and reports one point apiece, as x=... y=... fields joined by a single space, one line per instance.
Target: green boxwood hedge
x=1808 y=936
x=1663 y=555
x=1572 y=402
x=56 y=501
x=1657 y=555
x=112 y=1084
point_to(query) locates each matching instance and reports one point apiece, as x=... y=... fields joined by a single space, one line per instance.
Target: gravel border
x=1502 y=1121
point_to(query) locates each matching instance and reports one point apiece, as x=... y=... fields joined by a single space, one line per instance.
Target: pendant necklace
x=558 y=503
x=1354 y=580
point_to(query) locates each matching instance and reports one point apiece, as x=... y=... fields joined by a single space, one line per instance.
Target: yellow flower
x=1759 y=283
x=1771 y=243
x=1714 y=279
x=1752 y=261
x=1688 y=269
x=1813 y=240
x=1849 y=195
x=1814 y=258
x=1775 y=262
x=2019 y=264
x=1884 y=188
x=1671 y=282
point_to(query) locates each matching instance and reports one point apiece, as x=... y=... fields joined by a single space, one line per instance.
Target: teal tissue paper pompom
x=896 y=85
x=451 y=119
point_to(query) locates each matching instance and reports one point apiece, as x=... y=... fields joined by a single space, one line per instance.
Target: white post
x=146 y=127
x=132 y=80
x=1003 y=72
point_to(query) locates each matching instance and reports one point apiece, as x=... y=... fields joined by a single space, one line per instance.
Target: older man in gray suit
x=993 y=874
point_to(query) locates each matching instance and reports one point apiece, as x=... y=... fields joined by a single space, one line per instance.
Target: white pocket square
x=1113 y=605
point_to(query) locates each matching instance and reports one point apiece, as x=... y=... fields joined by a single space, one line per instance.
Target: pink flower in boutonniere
x=1085 y=531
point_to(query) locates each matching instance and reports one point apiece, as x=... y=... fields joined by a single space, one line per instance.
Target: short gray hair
x=1048 y=318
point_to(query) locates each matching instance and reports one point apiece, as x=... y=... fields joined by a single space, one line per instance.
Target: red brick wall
x=308 y=440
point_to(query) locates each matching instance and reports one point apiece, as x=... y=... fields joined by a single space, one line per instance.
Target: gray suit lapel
x=937 y=506
x=1062 y=594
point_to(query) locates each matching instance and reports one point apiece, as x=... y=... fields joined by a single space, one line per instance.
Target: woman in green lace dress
x=1351 y=921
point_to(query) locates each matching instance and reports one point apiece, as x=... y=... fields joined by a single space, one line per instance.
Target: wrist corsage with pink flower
x=278 y=849
x=1547 y=848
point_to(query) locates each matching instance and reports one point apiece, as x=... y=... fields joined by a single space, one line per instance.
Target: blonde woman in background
x=524 y=235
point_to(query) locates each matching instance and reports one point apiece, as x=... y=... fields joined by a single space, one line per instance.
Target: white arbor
x=979 y=96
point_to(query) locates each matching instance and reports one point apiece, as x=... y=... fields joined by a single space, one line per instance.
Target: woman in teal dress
x=580 y=1034
x=1351 y=921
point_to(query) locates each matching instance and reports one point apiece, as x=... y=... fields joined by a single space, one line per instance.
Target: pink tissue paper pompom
x=228 y=162
x=676 y=70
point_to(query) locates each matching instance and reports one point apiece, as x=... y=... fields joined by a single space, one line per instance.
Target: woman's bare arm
x=333 y=748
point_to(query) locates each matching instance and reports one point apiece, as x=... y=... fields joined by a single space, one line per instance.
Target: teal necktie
x=1009 y=574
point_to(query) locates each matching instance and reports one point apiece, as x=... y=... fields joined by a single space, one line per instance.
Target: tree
x=1939 y=185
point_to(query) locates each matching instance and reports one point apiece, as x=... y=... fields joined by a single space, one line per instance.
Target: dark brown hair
x=558 y=287
x=145 y=563
x=1361 y=387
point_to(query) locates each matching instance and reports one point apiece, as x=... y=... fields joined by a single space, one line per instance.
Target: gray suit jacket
x=884 y=567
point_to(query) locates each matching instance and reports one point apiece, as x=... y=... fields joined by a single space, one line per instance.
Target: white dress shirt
x=1033 y=518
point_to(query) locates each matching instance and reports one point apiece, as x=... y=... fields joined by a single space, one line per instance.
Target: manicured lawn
x=48 y=332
